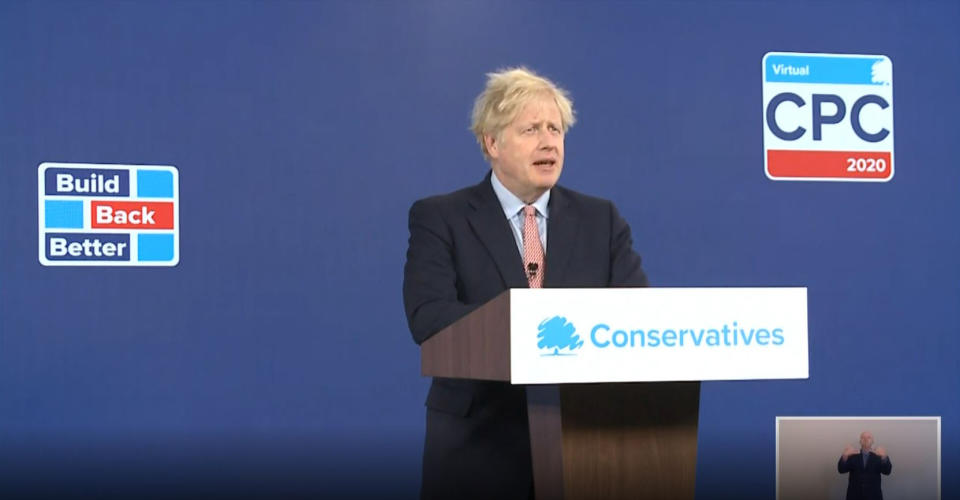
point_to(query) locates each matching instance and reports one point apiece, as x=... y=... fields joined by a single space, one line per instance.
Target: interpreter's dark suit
x=462 y=253
x=864 y=480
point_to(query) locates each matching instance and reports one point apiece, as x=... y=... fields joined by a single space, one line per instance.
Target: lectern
x=613 y=375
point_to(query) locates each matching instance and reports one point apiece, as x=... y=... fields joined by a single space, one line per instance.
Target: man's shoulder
x=446 y=199
x=448 y=206
x=477 y=193
x=581 y=201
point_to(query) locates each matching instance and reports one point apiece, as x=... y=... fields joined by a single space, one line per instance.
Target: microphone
x=532 y=269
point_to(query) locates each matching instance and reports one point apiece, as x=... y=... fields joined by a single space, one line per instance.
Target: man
x=514 y=229
x=864 y=468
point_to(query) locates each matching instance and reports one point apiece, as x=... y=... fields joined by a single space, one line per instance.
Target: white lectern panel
x=569 y=335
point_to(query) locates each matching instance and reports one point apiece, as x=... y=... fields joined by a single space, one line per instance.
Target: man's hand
x=849 y=450
x=881 y=452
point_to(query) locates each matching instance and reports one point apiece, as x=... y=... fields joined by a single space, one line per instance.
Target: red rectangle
x=829 y=164
x=131 y=214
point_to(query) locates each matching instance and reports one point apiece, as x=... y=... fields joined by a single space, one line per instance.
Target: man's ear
x=492 y=145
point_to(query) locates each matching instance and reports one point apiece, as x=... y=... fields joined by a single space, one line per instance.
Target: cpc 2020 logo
x=828 y=117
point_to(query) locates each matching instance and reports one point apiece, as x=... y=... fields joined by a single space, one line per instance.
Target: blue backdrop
x=275 y=358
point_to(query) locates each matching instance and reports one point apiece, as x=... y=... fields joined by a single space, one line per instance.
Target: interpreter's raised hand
x=849 y=450
x=881 y=452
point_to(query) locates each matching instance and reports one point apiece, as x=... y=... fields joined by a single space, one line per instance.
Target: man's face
x=866 y=440
x=527 y=155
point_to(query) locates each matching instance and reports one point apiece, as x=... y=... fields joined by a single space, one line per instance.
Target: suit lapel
x=562 y=229
x=493 y=230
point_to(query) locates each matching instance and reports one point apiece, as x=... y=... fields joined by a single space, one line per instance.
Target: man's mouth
x=545 y=163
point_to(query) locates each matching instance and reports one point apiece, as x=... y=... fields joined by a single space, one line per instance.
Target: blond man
x=515 y=229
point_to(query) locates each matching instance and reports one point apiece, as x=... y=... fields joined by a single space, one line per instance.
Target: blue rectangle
x=97 y=182
x=63 y=214
x=801 y=68
x=87 y=246
x=154 y=183
x=155 y=247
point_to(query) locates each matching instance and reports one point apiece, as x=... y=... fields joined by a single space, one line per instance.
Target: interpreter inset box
x=858 y=457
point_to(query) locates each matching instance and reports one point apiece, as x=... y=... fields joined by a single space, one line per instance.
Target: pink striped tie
x=532 y=248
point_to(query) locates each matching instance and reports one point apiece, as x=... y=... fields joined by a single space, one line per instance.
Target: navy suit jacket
x=864 y=480
x=461 y=254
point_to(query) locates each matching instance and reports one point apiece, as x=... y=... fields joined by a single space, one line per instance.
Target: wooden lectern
x=608 y=418
x=589 y=441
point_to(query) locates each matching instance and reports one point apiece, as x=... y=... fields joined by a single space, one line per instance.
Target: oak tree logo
x=557 y=333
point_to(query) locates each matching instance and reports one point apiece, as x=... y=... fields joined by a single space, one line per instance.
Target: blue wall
x=275 y=358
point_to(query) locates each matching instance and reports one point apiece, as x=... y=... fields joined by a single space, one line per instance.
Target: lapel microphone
x=532 y=269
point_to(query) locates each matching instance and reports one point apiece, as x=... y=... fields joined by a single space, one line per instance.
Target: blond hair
x=505 y=95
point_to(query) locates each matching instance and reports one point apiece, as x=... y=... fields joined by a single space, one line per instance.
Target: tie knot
x=529 y=211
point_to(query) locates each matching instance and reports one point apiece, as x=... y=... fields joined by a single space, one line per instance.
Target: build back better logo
x=108 y=215
x=828 y=117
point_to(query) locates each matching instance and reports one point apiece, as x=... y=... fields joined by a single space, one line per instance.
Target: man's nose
x=548 y=141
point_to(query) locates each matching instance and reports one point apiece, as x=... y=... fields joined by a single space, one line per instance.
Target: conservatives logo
x=557 y=333
x=828 y=117
x=602 y=336
x=108 y=215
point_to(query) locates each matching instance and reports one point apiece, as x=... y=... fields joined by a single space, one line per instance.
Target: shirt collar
x=511 y=204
